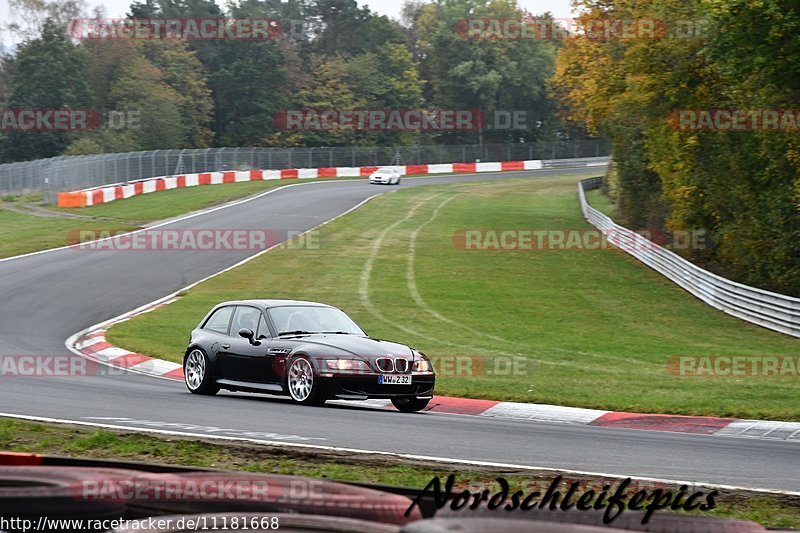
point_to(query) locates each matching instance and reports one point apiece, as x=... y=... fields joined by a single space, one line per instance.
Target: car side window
x=245 y=317
x=263 y=329
x=220 y=320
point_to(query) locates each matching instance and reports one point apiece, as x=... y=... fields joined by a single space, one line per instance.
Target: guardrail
x=123 y=190
x=70 y=173
x=771 y=310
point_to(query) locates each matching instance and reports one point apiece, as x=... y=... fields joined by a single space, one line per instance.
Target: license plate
x=394 y=379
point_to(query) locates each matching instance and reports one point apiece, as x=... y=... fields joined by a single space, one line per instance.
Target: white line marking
x=366 y=273
x=412 y=284
x=395 y=455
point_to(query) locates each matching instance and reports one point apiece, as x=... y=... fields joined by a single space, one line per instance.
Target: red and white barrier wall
x=103 y=195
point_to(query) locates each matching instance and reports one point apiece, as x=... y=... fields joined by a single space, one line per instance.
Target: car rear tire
x=197 y=373
x=304 y=387
x=410 y=405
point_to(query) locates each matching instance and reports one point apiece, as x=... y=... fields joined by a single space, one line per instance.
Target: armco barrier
x=777 y=312
x=119 y=191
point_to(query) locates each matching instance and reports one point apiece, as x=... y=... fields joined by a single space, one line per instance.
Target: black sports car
x=310 y=351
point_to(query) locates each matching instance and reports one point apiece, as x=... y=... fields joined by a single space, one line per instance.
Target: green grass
x=80 y=442
x=593 y=328
x=22 y=233
x=600 y=201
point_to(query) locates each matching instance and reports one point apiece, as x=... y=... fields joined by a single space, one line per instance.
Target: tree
x=741 y=187
x=341 y=27
x=184 y=73
x=386 y=79
x=142 y=88
x=47 y=73
x=328 y=89
x=479 y=73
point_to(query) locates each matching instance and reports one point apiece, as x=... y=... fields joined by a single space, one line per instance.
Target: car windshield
x=312 y=319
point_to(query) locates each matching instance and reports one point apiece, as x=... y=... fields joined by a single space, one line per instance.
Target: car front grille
x=401 y=365
x=384 y=364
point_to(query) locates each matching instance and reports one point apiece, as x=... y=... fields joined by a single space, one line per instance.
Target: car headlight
x=421 y=363
x=346 y=364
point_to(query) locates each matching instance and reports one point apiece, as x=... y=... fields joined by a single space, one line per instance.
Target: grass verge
x=80 y=442
x=581 y=328
x=27 y=225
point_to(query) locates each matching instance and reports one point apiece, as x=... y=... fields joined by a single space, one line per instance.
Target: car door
x=216 y=329
x=243 y=360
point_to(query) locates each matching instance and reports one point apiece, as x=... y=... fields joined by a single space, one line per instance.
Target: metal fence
x=69 y=173
x=771 y=310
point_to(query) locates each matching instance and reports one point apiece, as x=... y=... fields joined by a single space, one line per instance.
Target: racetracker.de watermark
x=606 y=29
x=210 y=487
x=28 y=120
x=531 y=240
x=461 y=366
x=735 y=120
x=379 y=120
x=54 y=366
x=206 y=240
x=245 y=29
x=39 y=120
x=732 y=366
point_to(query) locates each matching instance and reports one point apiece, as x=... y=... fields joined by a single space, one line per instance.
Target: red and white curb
x=94 y=346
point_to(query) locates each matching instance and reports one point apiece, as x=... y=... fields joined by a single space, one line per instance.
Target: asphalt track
x=45 y=298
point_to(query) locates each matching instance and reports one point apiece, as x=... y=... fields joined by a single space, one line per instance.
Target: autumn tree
x=740 y=187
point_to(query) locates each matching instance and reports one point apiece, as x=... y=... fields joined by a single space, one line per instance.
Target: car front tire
x=410 y=405
x=197 y=373
x=303 y=385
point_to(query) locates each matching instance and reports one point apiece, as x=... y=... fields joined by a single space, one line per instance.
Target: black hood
x=331 y=344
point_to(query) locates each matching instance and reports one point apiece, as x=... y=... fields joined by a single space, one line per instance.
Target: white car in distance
x=385 y=176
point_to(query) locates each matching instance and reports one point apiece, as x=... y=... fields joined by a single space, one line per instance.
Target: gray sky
x=118 y=8
x=560 y=8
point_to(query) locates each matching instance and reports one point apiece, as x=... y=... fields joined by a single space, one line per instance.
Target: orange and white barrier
x=104 y=195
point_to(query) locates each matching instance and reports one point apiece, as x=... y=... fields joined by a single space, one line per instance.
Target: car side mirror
x=249 y=335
